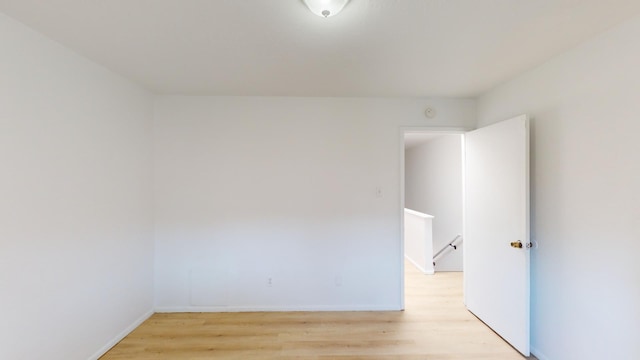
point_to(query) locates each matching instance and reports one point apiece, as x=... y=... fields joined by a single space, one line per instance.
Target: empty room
x=227 y=179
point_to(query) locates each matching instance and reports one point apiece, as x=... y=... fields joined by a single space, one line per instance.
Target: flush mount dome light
x=325 y=8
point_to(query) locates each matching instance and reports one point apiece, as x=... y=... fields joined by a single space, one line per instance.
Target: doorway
x=432 y=185
x=495 y=193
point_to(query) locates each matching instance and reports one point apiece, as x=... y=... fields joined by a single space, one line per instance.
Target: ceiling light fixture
x=325 y=8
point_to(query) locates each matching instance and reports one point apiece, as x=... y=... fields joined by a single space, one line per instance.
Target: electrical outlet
x=269 y=282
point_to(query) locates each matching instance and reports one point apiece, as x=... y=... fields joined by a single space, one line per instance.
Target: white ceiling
x=385 y=48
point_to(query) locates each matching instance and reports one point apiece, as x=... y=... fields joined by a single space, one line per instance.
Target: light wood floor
x=434 y=326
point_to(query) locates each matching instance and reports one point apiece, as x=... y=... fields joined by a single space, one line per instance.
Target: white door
x=496 y=268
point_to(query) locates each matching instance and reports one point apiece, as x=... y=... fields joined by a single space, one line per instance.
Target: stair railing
x=449 y=246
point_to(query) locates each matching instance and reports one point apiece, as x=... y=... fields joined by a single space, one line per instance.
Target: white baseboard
x=428 y=272
x=538 y=354
x=121 y=336
x=196 y=309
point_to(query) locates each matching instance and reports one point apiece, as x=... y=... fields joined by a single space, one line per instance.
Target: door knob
x=516 y=244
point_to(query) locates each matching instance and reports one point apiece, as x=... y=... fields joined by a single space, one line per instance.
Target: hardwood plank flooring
x=434 y=326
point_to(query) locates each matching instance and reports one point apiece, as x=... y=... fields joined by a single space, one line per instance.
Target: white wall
x=585 y=196
x=433 y=185
x=418 y=240
x=76 y=241
x=284 y=188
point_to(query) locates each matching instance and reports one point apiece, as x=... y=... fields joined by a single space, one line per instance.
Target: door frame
x=421 y=130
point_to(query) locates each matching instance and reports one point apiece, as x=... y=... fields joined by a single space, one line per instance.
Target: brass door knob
x=516 y=244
